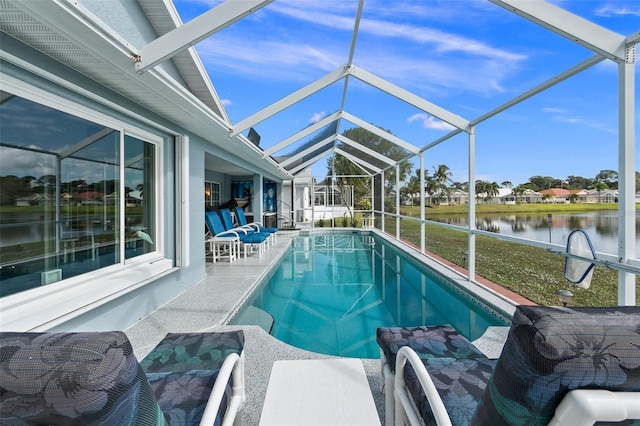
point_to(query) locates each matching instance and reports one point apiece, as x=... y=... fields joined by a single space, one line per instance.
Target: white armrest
x=402 y=396
x=227 y=234
x=232 y=365
x=587 y=406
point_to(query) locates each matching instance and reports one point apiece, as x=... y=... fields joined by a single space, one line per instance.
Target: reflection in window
x=139 y=173
x=60 y=195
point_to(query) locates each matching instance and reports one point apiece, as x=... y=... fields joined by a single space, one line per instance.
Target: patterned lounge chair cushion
x=183 y=396
x=193 y=351
x=182 y=369
x=73 y=379
x=551 y=350
x=428 y=342
x=460 y=383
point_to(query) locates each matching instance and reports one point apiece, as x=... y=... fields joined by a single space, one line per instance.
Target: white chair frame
x=580 y=407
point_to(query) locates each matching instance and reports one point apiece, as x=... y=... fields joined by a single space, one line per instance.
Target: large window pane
x=89 y=201
x=61 y=194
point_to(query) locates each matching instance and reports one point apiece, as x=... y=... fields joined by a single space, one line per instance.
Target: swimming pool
x=332 y=290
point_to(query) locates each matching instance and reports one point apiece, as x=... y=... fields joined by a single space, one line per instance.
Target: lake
x=602 y=227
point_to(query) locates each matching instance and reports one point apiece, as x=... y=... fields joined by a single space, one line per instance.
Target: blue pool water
x=333 y=290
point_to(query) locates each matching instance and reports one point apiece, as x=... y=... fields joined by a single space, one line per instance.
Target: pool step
x=256 y=316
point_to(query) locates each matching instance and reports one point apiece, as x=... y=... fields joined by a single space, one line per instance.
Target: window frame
x=210 y=201
x=45 y=307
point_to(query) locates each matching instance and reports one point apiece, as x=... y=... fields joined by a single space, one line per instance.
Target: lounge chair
x=439 y=341
x=227 y=221
x=94 y=378
x=559 y=366
x=245 y=240
x=242 y=221
x=221 y=244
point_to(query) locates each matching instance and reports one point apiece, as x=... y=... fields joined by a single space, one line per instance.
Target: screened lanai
x=455 y=126
x=354 y=105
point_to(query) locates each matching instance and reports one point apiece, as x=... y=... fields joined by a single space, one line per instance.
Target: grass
x=531 y=272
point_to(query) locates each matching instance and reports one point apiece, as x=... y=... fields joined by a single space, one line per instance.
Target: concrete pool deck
x=210 y=304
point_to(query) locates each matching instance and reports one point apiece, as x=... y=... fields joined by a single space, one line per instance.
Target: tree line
x=438 y=180
x=13 y=187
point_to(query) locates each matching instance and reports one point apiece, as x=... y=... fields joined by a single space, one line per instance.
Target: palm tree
x=413 y=187
x=442 y=176
x=481 y=188
x=601 y=186
x=517 y=192
x=493 y=189
x=430 y=186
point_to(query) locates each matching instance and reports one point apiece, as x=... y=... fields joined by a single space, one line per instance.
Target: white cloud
x=26 y=163
x=439 y=40
x=592 y=124
x=613 y=9
x=317 y=117
x=430 y=122
x=562 y=116
x=266 y=59
x=226 y=102
x=411 y=56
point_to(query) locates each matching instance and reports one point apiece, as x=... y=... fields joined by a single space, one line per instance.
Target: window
x=319 y=196
x=76 y=195
x=211 y=194
x=139 y=212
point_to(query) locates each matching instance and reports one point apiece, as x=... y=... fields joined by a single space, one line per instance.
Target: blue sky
x=466 y=56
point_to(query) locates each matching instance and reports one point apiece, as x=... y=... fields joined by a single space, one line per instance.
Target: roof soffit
x=164 y=17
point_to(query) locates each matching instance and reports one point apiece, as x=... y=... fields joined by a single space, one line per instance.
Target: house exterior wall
x=144 y=288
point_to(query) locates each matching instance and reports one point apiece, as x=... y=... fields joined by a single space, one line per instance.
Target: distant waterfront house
x=458 y=196
x=34 y=200
x=500 y=198
x=561 y=195
x=606 y=196
x=90 y=198
x=555 y=195
x=529 y=196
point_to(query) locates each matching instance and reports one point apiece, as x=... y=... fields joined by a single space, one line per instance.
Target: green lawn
x=532 y=272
